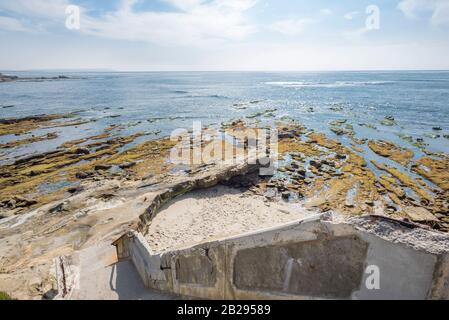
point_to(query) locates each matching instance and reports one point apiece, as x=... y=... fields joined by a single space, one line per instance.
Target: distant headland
x=9 y=78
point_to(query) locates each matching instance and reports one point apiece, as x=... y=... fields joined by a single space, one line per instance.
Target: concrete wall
x=308 y=259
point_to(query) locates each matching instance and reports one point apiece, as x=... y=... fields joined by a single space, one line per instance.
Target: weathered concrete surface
x=315 y=258
x=303 y=268
x=101 y=276
x=405 y=273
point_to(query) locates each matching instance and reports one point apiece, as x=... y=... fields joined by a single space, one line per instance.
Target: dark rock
x=127 y=165
x=349 y=203
x=105 y=167
x=34 y=173
x=297 y=177
x=301 y=172
x=338 y=131
x=102 y=148
x=437 y=128
x=316 y=164
x=286 y=135
x=82 y=151
x=11 y=203
x=295 y=165
x=35 y=157
x=281 y=187
x=391 y=208
x=59 y=208
x=83 y=174
x=106 y=196
x=328 y=163
x=308 y=181
x=337 y=174
x=74 y=190
x=18 y=202
x=243 y=181
x=50 y=295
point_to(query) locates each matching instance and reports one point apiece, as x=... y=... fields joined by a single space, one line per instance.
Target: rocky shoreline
x=315 y=169
x=90 y=190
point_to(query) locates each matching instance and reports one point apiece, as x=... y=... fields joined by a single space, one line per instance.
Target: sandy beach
x=216 y=213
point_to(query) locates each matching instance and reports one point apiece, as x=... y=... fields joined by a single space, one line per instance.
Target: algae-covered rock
x=390 y=150
x=388 y=121
x=405 y=137
x=368 y=125
x=435 y=170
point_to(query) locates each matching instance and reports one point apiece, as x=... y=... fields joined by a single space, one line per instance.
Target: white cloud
x=35 y=8
x=31 y=16
x=350 y=15
x=438 y=8
x=291 y=27
x=12 y=24
x=195 y=22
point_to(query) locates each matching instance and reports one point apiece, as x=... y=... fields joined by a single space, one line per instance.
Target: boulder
x=419 y=214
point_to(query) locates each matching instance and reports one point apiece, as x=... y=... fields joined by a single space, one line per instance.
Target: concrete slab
x=318 y=258
x=102 y=277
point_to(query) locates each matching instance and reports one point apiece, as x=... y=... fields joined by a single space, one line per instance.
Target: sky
x=224 y=35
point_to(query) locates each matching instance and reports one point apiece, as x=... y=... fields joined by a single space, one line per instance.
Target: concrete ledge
x=308 y=259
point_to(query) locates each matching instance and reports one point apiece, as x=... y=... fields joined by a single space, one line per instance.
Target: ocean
x=160 y=102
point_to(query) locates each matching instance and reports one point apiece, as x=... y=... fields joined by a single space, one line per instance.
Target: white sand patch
x=216 y=213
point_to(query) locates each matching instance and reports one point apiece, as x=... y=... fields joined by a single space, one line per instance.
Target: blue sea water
x=163 y=101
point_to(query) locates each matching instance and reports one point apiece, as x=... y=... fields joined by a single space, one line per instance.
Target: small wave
x=337 y=84
x=179 y=91
x=215 y=96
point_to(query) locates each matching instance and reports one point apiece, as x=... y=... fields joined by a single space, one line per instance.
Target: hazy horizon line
x=212 y=70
